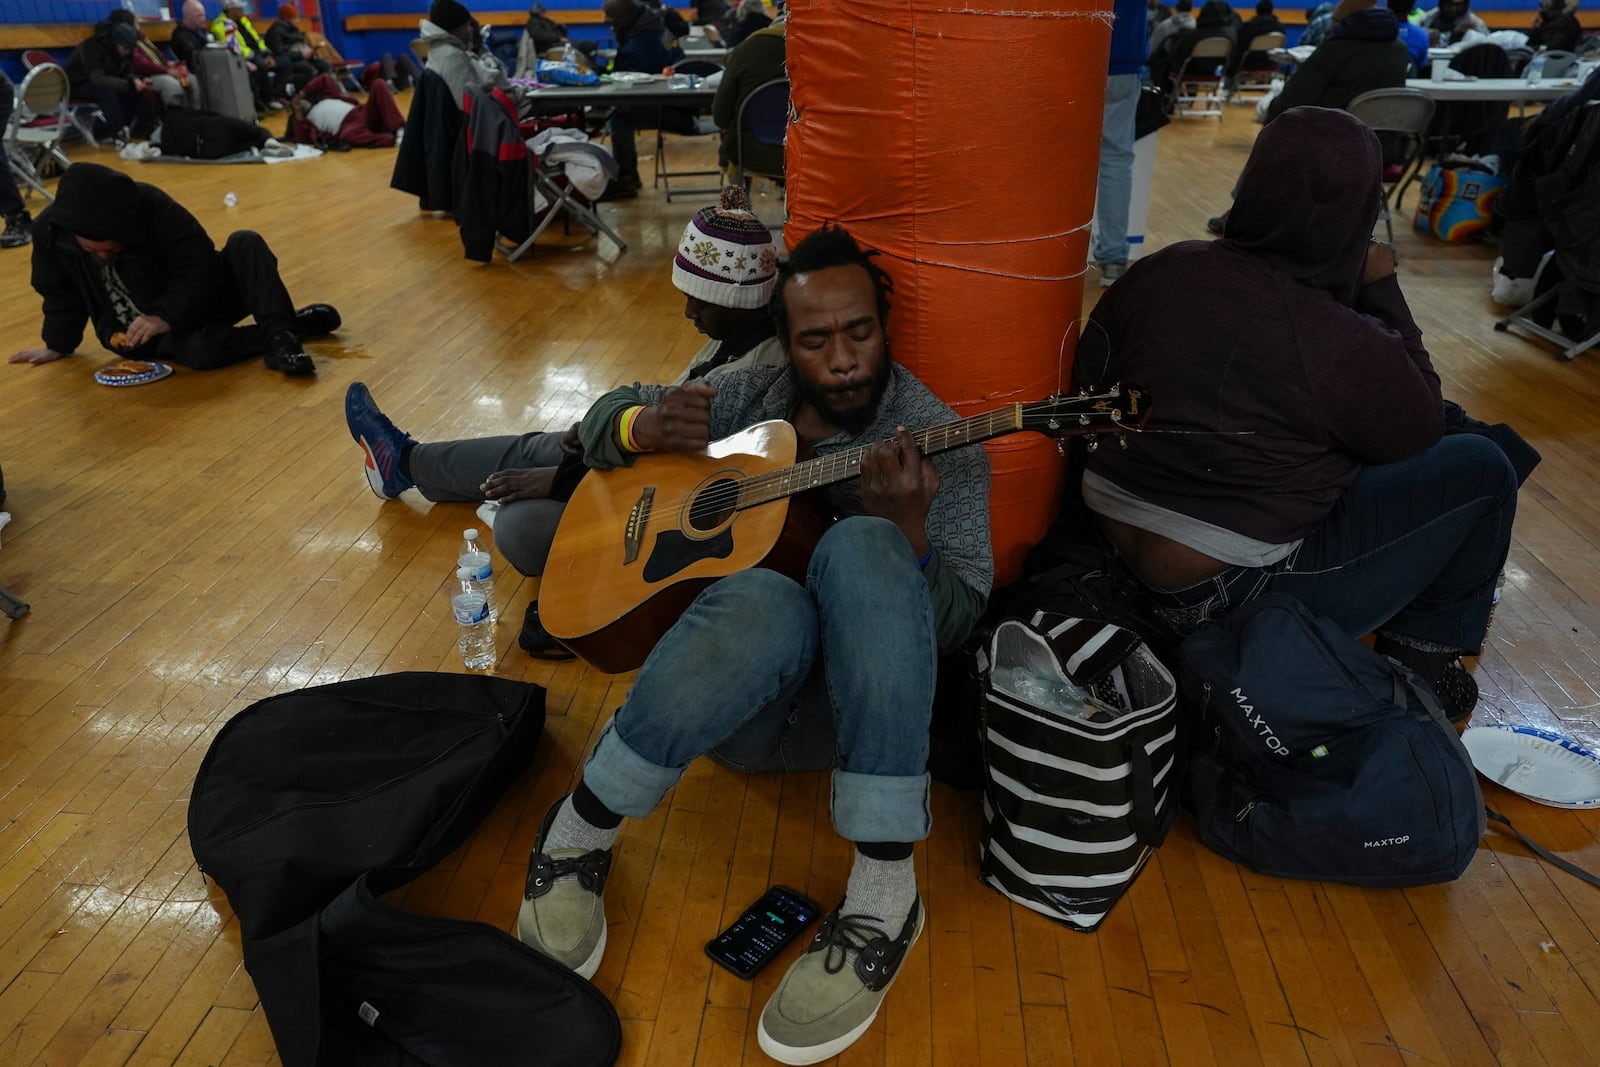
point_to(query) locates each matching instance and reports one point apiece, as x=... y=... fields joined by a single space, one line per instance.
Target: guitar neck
x=840 y=466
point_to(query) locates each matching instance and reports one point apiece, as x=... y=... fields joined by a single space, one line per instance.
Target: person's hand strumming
x=526 y=483
x=37 y=355
x=899 y=483
x=1380 y=263
x=681 y=422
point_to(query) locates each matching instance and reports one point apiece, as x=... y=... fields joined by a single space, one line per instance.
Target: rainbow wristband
x=625 y=428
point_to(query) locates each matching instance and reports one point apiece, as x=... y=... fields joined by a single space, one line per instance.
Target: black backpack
x=1314 y=757
x=312 y=804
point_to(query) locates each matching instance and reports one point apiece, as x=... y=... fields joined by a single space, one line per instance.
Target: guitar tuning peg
x=1093 y=444
x=1122 y=441
x=1061 y=448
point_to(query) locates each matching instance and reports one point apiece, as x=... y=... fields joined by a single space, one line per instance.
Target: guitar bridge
x=638 y=519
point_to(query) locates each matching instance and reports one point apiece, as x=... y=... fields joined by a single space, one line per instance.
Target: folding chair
x=1200 y=79
x=562 y=200
x=1255 y=79
x=35 y=128
x=1400 y=118
x=703 y=127
x=83 y=114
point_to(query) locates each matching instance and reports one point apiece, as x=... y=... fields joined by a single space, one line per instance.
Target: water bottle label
x=470 y=610
x=478 y=563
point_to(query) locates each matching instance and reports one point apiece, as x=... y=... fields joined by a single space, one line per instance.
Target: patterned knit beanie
x=726 y=256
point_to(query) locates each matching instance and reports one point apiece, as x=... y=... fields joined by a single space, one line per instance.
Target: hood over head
x=1308 y=198
x=1215 y=14
x=98 y=203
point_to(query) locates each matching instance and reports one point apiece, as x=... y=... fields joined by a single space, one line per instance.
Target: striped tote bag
x=1080 y=744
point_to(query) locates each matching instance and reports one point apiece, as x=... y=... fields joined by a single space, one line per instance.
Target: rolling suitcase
x=225 y=84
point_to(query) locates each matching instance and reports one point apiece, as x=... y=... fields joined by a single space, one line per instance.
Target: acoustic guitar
x=637 y=544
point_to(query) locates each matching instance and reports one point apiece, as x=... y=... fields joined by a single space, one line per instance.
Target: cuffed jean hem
x=879 y=807
x=625 y=781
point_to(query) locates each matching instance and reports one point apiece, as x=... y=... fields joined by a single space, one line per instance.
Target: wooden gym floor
x=196 y=545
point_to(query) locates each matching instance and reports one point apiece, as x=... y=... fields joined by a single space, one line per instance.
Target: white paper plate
x=1537 y=764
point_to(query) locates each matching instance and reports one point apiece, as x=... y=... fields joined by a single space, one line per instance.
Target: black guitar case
x=310 y=805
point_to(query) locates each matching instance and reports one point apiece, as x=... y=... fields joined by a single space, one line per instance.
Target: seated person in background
x=171 y=81
x=1215 y=20
x=543 y=33
x=291 y=48
x=1298 y=445
x=1450 y=22
x=129 y=260
x=18 y=222
x=1414 y=37
x=726 y=266
x=101 y=69
x=454 y=50
x=1556 y=27
x=750 y=16
x=758 y=60
x=322 y=113
x=1263 y=22
x=1363 y=52
x=1318 y=24
x=765 y=673
x=234 y=29
x=710 y=12
x=1182 y=18
x=643 y=45
x=191 y=35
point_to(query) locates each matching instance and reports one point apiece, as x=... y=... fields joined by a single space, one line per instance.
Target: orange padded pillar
x=961 y=139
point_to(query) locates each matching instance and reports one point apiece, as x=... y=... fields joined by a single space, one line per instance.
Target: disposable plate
x=132 y=372
x=1537 y=764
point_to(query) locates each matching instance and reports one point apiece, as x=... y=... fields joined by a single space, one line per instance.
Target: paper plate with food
x=126 y=372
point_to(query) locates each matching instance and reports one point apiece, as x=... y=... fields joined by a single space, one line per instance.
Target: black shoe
x=619 y=189
x=285 y=354
x=1218 y=225
x=315 y=320
x=536 y=640
x=19 y=230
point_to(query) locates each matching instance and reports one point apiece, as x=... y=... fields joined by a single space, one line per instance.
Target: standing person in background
x=1114 y=191
x=19 y=224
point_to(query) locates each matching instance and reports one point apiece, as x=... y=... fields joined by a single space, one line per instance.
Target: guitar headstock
x=1116 y=409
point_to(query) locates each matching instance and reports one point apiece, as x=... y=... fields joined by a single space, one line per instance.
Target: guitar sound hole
x=713 y=505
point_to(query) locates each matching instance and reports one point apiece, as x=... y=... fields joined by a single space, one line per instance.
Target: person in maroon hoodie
x=1297 y=441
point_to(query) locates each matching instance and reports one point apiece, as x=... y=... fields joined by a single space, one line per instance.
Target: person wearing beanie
x=726 y=266
x=455 y=51
x=292 y=50
x=833 y=670
x=101 y=70
x=134 y=265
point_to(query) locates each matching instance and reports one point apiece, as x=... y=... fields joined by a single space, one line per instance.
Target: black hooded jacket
x=1293 y=374
x=168 y=262
x=96 y=61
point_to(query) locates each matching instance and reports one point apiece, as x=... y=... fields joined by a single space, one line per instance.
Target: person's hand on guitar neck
x=681 y=422
x=899 y=483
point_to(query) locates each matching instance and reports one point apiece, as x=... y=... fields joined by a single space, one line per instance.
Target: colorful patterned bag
x=1457 y=202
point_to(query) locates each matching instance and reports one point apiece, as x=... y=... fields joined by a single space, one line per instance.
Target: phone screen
x=764 y=928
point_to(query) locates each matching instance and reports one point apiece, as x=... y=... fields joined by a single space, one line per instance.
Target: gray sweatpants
x=455 y=470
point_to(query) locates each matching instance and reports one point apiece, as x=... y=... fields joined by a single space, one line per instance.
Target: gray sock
x=883 y=889
x=568 y=830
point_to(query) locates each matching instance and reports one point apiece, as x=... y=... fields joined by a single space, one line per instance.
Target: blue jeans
x=765 y=674
x=1115 y=190
x=1413 y=548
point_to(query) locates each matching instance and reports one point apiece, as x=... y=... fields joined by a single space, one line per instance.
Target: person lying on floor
x=322 y=113
x=132 y=263
x=726 y=266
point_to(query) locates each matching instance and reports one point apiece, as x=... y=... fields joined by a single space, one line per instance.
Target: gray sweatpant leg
x=455 y=470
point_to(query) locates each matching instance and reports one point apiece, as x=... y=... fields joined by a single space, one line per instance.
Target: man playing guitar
x=765 y=673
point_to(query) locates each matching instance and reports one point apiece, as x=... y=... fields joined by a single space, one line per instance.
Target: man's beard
x=851 y=415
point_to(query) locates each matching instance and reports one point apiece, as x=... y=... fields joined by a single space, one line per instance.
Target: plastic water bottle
x=231 y=199
x=1535 y=70
x=476 y=558
x=471 y=609
x=569 y=55
x=1025 y=668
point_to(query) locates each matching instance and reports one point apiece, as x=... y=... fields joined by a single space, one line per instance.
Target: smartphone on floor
x=778 y=917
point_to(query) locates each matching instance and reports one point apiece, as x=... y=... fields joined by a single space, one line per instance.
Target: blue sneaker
x=380 y=442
